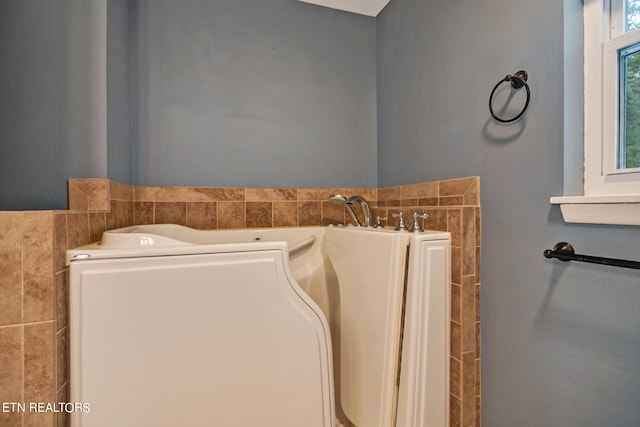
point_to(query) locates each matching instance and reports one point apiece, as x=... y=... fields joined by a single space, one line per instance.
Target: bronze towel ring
x=517 y=80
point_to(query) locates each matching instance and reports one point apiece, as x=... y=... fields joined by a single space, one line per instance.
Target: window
x=612 y=73
x=611 y=116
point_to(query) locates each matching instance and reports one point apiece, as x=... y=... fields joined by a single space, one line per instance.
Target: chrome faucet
x=366 y=211
x=340 y=200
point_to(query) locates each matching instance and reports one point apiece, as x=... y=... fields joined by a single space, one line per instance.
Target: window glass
x=632 y=15
x=629 y=140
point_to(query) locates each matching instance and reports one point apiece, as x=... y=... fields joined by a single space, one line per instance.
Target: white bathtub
x=369 y=262
x=308 y=260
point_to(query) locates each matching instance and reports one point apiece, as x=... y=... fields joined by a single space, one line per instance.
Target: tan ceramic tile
x=62 y=418
x=213 y=194
x=317 y=194
x=389 y=193
x=202 y=215
x=478 y=244
x=455 y=412
x=144 y=193
x=121 y=214
x=456 y=264
x=10 y=286
x=393 y=204
x=468 y=389
x=38 y=297
x=37 y=254
x=477 y=272
x=271 y=194
x=409 y=203
x=468 y=241
x=478 y=227
x=160 y=194
x=477 y=308
x=39 y=419
x=285 y=214
x=428 y=201
x=11 y=418
x=60 y=240
x=171 y=213
x=309 y=213
x=39 y=362
x=456 y=187
x=98 y=195
x=10 y=230
x=78 y=199
x=97 y=226
x=455 y=377
x=456 y=303
x=451 y=201
x=472 y=195
x=478 y=348
x=120 y=191
x=89 y=194
x=143 y=212
x=437 y=219
x=78 y=229
x=369 y=194
x=456 y=350
x=421 y=190
x=454 y=226
x=468 y=313
x=231 y=215
x=259 y=214
x=62 y=358
x=171 y=194
x=478 y=382
x=62 y=299
x=478 y=411
x=11 y=371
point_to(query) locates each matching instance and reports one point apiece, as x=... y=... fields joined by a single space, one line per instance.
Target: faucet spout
x=340 y=200
x=366 y=211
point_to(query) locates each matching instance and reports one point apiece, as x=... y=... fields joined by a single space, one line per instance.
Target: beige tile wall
x=31 y=335
x=218 y=208
x=33 y=275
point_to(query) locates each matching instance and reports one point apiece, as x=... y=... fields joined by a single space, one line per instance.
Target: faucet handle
x=415 y=228
x=400 y=226
x=378 y=219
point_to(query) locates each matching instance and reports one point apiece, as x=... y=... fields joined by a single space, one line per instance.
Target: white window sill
x=616 y=210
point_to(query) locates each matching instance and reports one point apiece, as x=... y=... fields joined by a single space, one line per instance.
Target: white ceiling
x=363 y=7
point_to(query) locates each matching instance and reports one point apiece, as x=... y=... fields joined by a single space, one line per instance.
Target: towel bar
x=564 y=252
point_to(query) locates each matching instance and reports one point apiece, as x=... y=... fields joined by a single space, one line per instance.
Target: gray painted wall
x=52 y=121
x=253 y=93
x=34 y=92
x=41 y=111
x=223 y=93
x=560 y=342
x=119 y=148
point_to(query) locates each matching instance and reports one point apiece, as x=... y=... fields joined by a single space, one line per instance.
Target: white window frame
x=611 y=195
x=603 y=37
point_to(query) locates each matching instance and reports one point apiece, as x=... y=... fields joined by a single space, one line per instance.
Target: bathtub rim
x=147 y=240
